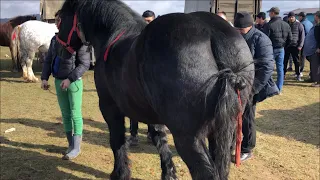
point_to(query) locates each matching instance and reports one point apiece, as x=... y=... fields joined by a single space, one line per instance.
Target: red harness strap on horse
x=108 y=48
x=239 y=132
x=74 y=28
x=14 y=36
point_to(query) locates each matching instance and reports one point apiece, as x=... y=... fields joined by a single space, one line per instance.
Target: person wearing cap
x=307 y=25
x=261 y=21
x=295 y=46
x=223 y=15
x=280 y=35
x=263 y=86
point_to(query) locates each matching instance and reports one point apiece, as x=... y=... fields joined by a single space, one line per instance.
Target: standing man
x=263 y=85
x=223 y=15
x=148 y=16
x=312 y=51
x=280 y=35
x=295 y=47
x=261 y=21
x=307 y=25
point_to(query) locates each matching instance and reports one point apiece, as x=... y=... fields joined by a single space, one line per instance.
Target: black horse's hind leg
x=159 y=139
x=195 y=154
x=116 y=124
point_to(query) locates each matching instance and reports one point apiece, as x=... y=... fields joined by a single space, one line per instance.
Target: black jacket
x=279 y=32
x=262 y=52
x=298 y=34
x=262 y=27
x=71 y=68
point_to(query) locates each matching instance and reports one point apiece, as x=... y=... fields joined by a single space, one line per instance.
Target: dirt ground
x=287 y=137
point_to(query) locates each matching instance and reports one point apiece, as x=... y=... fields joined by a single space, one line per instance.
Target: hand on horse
x=65 y=84
x=44 y=85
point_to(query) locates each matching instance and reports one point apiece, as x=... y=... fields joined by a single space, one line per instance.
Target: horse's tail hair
x=221 y=128
x=15 y=47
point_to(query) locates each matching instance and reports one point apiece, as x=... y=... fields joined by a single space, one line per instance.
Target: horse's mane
x=21 y=19
x=106 y=16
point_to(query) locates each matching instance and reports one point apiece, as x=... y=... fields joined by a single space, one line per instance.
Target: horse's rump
x=182 y=53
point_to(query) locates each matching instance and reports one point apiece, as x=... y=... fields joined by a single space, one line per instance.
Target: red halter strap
x=239 y=131
x=105 y=57
x=74 y=28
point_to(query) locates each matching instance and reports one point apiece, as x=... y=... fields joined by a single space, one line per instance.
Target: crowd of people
x=270 y=43
x=301 y=42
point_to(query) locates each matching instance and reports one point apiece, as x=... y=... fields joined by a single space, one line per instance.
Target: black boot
x=70 y=141
x=76 y=148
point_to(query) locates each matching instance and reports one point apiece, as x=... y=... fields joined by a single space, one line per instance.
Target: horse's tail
x=233 y=79
x=15 y=47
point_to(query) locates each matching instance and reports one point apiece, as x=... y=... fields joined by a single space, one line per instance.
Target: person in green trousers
x=67 y=72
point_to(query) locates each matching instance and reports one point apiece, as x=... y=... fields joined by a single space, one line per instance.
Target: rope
x=239 y=132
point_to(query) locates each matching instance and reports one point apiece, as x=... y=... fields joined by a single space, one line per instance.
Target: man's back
x=307 y=25
x=279 y=32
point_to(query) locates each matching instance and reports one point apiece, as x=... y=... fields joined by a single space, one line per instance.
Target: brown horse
x=6 y=30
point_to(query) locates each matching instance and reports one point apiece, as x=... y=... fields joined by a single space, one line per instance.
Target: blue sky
x=10 y=8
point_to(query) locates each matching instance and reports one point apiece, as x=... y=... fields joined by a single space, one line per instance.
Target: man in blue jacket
x=307 y=25
x=263 y=86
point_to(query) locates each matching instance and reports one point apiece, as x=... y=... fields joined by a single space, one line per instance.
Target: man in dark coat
x=261 y=21
x=280 y=35
x=263 y=86
x=295 y=47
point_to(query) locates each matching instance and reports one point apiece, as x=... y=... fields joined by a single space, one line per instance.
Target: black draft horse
x=181 y=70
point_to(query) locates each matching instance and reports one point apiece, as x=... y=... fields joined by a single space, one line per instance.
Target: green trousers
x=70 y=102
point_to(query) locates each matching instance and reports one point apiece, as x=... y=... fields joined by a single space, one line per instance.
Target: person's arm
x=264 y=63
x=288 y=32
x=83 y=57
x=46 y=68
x=301 y=36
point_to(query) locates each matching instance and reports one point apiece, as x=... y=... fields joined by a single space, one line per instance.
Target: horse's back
x=37 y=33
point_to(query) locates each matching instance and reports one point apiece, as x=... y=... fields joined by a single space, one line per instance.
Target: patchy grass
x=287 y=138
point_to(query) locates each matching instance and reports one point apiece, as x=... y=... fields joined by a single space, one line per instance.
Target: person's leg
x=286 y=59
x=149 y=134
x=315 y=69
x=310 y=74
x=290 y=64
x=279 y=58
x=248 y=131
x=295 y=57
x=63 y=101
x=75 y=91
x=302 y=61
x=134 y=126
